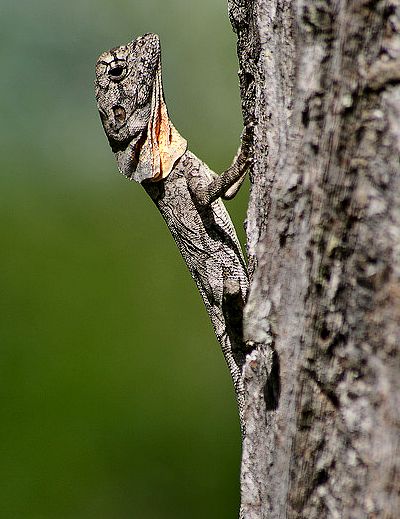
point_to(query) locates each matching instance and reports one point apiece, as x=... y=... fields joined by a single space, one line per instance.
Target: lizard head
x=132 y=109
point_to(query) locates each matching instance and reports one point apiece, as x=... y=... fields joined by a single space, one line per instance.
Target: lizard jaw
x=127 y=155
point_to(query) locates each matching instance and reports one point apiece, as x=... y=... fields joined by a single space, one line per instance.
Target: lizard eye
x=117 y=72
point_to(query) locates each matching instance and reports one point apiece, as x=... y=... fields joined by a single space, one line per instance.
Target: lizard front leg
x=228 y=183
x=245 y=150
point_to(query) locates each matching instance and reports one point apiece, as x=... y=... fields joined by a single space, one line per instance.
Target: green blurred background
x=115 y=400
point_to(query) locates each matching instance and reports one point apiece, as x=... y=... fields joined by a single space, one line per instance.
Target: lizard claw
x=247 y=135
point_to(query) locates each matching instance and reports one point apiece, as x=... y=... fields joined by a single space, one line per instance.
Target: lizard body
x=187 y=193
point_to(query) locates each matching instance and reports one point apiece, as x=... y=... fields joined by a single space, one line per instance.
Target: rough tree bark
x=321 y=81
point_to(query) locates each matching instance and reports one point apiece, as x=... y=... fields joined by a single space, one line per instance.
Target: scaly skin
x=187 y=193
x=207 y=241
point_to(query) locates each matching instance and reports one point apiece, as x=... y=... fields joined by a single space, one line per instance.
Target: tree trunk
x=321 y=82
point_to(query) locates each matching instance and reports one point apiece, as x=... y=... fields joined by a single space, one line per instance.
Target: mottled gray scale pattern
x=132 y=109
x=205 y=236
x=208 y=243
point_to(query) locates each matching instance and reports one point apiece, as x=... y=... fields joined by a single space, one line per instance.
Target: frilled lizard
x=187 y=193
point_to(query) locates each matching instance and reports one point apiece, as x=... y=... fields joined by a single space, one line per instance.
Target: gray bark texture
x=321 y=82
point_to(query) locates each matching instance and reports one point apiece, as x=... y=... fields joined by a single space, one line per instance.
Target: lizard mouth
x=132 y=141
x=129 y=153
x=114 y=125
x=137 y=144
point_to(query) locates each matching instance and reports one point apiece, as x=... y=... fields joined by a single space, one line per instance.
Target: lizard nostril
x=119 y=114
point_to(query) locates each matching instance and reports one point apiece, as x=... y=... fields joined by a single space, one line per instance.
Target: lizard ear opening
x=163 y=145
